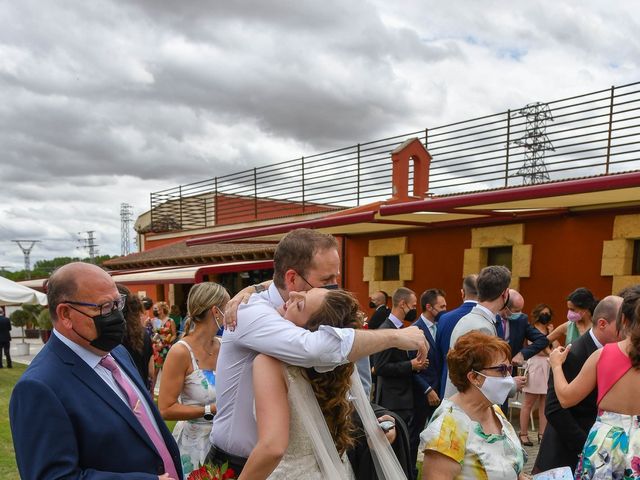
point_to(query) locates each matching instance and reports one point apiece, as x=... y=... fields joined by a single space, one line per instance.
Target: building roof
x=179 y=254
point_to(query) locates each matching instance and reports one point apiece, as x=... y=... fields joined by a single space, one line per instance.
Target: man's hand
x=432 y=398
x=412 y=338
x=417 y=365
x=518 y=359
x=165 y=476
x=391 y=434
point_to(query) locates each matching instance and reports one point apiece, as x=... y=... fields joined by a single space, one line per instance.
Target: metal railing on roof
x=597 y=133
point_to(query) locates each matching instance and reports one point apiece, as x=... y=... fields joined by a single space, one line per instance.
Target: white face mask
x=496 y=389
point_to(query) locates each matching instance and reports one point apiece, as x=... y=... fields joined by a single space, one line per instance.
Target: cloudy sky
x=103 y=101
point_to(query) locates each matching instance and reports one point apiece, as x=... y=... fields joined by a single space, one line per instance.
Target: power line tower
x=89 y=244
x=126 y=217
x=535 y=143
x=26 y=250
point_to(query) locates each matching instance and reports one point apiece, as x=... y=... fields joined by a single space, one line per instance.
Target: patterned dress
x=482 y=456
x=612 y=449
x=161 y=343
x=192 y=436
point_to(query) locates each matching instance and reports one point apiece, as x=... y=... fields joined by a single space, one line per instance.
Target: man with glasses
x=304 y=259
x=81 y=408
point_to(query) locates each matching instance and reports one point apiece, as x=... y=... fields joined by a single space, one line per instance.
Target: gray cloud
x=103 y=102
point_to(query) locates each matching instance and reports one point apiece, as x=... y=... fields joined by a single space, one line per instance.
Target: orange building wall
x=567 y=253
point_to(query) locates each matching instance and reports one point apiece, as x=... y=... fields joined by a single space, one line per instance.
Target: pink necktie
x=141 y=414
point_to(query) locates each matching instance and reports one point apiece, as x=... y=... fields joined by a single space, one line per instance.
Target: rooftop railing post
x=506 y=168
x=152 y=209
x=426 y=138
x=255 y=193
x=358 y=176
x=606 y=171
x=302 y=162
x=180 y=203
x=215 y=202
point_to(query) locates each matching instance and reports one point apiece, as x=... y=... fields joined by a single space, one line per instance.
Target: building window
x=391 y=267
x=635 y=267
x=500 y=256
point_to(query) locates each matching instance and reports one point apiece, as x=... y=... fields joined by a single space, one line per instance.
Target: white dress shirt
x=93 y=361
x=261 y=329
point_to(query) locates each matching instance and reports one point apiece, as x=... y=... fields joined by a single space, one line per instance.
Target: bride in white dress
x=304 y=418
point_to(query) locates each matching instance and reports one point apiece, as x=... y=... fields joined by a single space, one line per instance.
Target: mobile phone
x=387 y=425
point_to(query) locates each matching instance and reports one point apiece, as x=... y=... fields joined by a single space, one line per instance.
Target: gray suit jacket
x=476 y=319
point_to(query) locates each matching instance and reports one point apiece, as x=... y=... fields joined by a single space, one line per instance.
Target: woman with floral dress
x=612 y=449
x=468 y=436
x=187 y=390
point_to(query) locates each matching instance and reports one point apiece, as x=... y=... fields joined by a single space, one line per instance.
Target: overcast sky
x=103 y=102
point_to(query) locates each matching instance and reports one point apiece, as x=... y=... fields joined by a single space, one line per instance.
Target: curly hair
x=339 y=309
x=134 y=334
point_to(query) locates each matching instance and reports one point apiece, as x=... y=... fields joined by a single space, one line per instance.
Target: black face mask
x=372 y=305
x=110 y=329
x=411 y=315
x=436 y=319
x=331 y=286
x=544 y=318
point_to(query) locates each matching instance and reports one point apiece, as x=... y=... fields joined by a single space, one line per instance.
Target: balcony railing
x=586 y=135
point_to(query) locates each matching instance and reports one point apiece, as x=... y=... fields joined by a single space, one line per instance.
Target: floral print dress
x=482 y=456
x=192 y=436
x=612 y=449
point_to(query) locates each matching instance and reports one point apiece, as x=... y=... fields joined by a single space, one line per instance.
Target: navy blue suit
x=446 y=324
x=519 y=330
x=68 y=423
x=429 y=378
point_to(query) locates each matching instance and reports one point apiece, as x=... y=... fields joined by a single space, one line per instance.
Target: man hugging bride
x=287 y=387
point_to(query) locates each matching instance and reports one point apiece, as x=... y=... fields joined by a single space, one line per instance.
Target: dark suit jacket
x=430 y=376
x=67 y=422
x=379 y=316
x=5 y=328
x=567 y=429
x=394 y=389
x=519 y=330
x=446 y=324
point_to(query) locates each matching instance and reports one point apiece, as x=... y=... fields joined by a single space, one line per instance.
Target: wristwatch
x=258 y=287
x=207 y=413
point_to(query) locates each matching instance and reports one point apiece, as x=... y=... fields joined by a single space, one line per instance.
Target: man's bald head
x=516 y=301
x=379 y=298
x=66 y=281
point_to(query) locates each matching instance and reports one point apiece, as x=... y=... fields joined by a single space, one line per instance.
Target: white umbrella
x=12 y=293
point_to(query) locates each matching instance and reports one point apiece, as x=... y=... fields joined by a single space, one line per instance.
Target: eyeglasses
x=503 y=368
x=105 y=308
x=331 y=286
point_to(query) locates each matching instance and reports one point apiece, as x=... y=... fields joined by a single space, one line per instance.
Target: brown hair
x=134 y=334
x=537 y=310
x=339 y=309
x=492 y=281
x=630 y=310
x=473 y=351
x=163 y=306
x=296 y=250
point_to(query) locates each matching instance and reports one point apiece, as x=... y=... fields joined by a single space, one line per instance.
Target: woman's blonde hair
x=202 y=297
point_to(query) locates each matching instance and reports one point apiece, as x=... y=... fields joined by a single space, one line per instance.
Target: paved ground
x=35 y=345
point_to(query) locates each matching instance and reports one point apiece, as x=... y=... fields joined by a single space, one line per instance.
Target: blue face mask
x=515 y=316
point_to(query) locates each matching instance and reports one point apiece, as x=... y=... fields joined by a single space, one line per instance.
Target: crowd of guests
x=306 y=386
